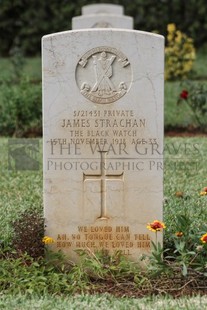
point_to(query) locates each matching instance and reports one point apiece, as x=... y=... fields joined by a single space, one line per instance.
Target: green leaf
x=184 y=270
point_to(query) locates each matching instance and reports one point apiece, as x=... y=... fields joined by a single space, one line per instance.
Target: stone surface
x=103 y=139
x=102 y=8
x=102 y=21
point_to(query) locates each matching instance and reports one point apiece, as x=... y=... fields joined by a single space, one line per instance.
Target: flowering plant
x=179 y=54
x=195 y=95
x=156 y=226
x=157 y=265
x=184 y=251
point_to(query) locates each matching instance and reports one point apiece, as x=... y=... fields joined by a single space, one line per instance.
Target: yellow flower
x=169 y=37
x=156 y=226
x=48 y=240
x=204 y=238
x=171 y=27
x=178 y=38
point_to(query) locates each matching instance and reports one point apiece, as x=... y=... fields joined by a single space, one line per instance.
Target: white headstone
x=102 y=21
x=102 y=8
x=103 y=139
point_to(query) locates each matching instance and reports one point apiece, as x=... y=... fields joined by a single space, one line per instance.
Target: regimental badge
x=103 y=75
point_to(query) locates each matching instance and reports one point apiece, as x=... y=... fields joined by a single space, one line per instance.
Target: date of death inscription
x=104 y=237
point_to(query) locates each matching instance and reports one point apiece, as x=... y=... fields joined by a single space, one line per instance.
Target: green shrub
x=20 y=109
x=179 y=54
x=28 y=234
x=18 y=62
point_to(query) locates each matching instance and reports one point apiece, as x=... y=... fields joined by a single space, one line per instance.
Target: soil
x=183 y=132
x=186 y=287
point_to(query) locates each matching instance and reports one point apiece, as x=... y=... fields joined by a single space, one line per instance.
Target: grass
x=102 y=302
x=186 y=172
x=20 y=190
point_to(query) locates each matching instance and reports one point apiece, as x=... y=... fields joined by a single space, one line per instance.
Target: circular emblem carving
x=103 y=75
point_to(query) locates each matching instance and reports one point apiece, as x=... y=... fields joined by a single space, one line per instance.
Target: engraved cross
x=103 y=177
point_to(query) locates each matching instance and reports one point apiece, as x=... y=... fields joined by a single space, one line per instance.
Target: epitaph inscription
x=103 y=75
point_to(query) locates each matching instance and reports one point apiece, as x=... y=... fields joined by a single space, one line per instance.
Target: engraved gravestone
x=102 y=16
x=103 y=139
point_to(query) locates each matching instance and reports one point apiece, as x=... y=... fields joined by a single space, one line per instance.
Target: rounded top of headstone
x=102 y=8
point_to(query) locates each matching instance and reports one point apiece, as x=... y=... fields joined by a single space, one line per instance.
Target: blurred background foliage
x=24 y=22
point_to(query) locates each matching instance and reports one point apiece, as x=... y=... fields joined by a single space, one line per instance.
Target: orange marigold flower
x=156 y=226
x=204 y=238
x=179 y=234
